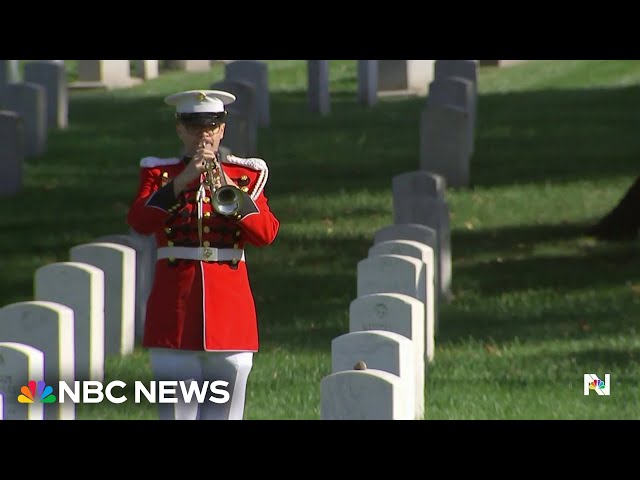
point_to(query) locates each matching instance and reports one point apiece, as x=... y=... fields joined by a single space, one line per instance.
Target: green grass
x=536 y=303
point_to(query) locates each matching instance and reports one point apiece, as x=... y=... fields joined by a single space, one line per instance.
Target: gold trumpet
x=225 y=199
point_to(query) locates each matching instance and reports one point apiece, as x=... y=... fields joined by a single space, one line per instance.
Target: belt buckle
x=207 y=253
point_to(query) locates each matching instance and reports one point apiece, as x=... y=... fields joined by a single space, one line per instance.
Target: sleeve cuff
x=165 y=199
x=248 y=206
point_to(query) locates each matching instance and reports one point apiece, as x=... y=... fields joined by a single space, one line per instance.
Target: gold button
x=206 y=199
x=207 y=214
x=206 y=229
x=236 y=245
x=244 y=178
x=245 y=189
x=206 y=244
x=165 y=175
x=172 y=259
x=169 y=244
x=238 y=232
x=235 y=261
x=167 y=230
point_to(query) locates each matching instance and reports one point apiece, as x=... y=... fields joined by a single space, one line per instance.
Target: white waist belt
x=204 y=254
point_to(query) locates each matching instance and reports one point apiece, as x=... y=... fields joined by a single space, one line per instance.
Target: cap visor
x=201 y=119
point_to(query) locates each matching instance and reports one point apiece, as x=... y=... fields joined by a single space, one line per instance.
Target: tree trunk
x=623 y=222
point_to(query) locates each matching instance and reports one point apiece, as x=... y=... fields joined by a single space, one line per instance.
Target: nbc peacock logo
x=596 y=384
x=36 y=392
x=593 y=384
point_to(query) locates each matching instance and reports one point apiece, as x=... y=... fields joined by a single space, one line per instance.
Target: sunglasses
x=194 y=129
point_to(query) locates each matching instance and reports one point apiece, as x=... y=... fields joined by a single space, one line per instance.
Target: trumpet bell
x=227 y=200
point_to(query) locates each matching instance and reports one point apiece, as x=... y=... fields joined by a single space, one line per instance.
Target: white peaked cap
x=200 y=101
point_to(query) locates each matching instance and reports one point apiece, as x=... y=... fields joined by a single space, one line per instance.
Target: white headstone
x=396 y=274
x=22 y=368
x=444 y=150
x=146 y=69
x=190 y=65
x=457 y=68
x=379 y=350
x=11 y=153
x=119 y=266
x=255 y=72
x=47 y=327
x=318 y=93
x=418 y=233
x=52 y=76
x=368 y=82
x=9 y=72
x=238 y=133
x=418 y=198
x=247 y=107
x=29 y=101
x=399 y=314
x=424 y=253
x=459 y=92
x=80 y=287
x=362 y=395
x=145 y=247
x=411 y=76
x=104 y=74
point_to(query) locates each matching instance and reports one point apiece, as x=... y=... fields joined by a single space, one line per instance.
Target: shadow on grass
x=567 y=291
x=511 y=239
x=513 y=268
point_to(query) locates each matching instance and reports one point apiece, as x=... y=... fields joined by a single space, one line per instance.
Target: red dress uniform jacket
x=194 y=304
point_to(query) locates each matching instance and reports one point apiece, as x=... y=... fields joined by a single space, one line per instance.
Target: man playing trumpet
x=201 y=323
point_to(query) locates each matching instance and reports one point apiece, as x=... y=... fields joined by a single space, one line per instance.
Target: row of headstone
x=29 y=109
x=82 y=311
x=409 y=262
x=448 y=120
x=375 y=77
x=407 y=272
x=419 y=198
x=382 y=374
x=117 y=73
x=111 y=74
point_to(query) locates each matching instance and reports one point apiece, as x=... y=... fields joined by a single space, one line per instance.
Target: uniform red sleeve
x=152 y=205
x=260 y=228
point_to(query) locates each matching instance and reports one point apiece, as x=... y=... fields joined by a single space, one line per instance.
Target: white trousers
x=232 y=367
